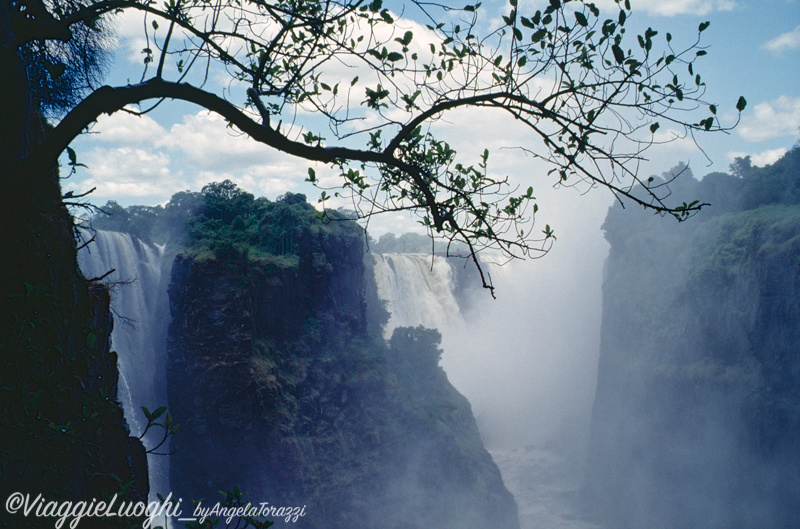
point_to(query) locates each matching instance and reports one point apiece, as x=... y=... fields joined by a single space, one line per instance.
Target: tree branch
x=107 y=100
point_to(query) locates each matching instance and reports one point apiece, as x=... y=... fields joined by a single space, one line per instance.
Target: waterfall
x=525 y=361
x=140 y=308
x=418 y=290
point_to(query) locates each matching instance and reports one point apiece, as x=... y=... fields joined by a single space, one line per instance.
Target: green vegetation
x=152 y=224
x=415 y=243
x=681 y=274
x=296 y=372
x=223 y=221
x=778 y=183
x=415 y=349
x=738 y=238
x=578 y=109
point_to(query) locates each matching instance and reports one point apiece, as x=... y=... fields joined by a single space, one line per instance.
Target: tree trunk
x=63 y=433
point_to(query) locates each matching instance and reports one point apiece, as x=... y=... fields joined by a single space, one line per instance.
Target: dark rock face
x=697 y=415
x=282 y=388
x=63 y=433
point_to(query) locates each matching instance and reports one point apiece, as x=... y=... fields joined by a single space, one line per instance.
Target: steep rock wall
x=284 y=388
x=63 y=432
x=697 y=415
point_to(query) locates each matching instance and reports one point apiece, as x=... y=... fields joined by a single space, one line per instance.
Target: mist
x=527 y=360
x=641 y=374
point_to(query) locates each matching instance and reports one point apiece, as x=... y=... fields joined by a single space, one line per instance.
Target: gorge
x=283 y=369
x=278 y=373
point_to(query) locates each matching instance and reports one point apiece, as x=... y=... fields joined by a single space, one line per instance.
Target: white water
x=418 y=290
x=530 y=382
x=526 y=362
x=141 y=315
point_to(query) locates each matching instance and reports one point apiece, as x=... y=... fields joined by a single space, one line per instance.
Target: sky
x=548 y=316
x=753 y=51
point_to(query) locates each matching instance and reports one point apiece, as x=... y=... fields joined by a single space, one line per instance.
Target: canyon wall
x=696 y=421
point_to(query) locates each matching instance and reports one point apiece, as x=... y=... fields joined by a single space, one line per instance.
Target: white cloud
x=206 y=141
x=128 y=129
x=126 y=163
x=126 y=172
x=784 y=42
x=130 y=33
x=773 y=119
x=207 y=147
x=670 y=8
x=760 y=159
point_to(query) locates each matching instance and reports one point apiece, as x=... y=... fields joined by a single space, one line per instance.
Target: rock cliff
x=63 y=432
x=283 y=386
x=697 y=415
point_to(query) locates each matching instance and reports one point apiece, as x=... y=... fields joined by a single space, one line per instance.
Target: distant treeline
x=224 y=218
x=745 y=188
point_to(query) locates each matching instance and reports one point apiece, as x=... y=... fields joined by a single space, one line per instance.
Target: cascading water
x=486 y=351
x=418 y=290
x=141 y=316
x=529 y=379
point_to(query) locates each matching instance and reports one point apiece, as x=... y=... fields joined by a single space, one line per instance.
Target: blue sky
x=754 y=51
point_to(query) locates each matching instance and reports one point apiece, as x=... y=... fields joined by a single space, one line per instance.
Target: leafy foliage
x=63 y=70
x=153 y=224
x=778 y=183
x=413 y=243
x=226 y=222
x=592 y=95
x=745 y=188
x=415 y=352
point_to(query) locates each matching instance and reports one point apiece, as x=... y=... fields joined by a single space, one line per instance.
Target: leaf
x=91 y=340
x=619 y=56
x=654 y=127
x=406 y=40
x=703 y=26
x=394 y=56
x=581 y=19
x=539 y=35
x=741 y=103
x=73 y=158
